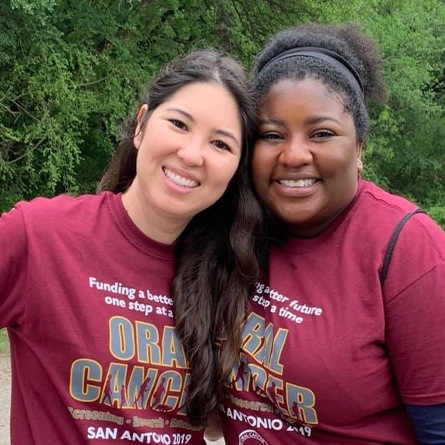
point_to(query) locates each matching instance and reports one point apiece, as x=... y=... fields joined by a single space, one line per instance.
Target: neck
x=160 y=228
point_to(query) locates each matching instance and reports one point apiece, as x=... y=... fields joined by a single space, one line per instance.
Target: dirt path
x=5 y=397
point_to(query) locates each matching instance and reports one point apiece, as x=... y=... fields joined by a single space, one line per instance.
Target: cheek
x=260 y=182
x=262 y=172
x=226 y=172
x=338 y=162
x=260 y=164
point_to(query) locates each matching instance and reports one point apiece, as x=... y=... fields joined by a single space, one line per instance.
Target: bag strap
x=392 y=242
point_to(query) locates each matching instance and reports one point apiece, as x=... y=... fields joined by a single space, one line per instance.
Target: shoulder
x=372 y=220
x=374 y=202
x=64 y=211
x=381 y=211
x=419 y=248
x=62 y=205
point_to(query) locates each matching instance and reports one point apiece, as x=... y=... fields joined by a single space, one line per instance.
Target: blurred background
x=71 y=70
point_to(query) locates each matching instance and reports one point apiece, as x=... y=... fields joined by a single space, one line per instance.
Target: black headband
x=331 y=57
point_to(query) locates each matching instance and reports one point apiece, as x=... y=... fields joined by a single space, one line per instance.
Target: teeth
x=179 y=180
x=300 y=183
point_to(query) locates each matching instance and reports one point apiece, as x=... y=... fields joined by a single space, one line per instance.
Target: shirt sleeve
x=13 y=267
x=415 y=313
x=429 y=423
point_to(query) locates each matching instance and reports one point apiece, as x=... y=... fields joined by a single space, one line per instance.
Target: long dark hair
x=216 y=254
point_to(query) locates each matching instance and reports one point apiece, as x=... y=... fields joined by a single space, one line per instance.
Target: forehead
x=211 y=100
x=202 y=93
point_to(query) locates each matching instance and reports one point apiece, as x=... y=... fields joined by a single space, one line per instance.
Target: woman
x=330 y=353
x=86 y=282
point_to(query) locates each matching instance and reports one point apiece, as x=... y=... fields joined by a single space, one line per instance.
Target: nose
x=296 y=152
x=192 y=152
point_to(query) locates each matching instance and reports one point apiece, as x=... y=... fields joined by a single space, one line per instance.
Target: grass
x=4 y=341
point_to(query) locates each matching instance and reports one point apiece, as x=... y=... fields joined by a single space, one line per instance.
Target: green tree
x=71 y=70
x=406 y=150
x=69 y=73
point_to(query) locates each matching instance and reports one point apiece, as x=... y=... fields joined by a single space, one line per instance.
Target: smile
x=179 y=180
x=300 y=183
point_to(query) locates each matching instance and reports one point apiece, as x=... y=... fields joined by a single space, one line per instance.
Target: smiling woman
x=110 y=299
x=343 y=357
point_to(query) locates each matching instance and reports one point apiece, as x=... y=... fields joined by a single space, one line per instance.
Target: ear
x=358 y=151
x=139 y=133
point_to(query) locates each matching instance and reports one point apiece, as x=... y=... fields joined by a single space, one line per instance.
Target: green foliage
x=70 y=71
x=38 y=9
x=406 y=150
x=247 y=23
x=412 y=39
x=68 y=81
x=4 y=341
x=437 y=212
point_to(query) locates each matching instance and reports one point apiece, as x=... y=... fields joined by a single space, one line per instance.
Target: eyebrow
x=221 y=132
x=184 y=113
x=317 y=119
x=310 y=120
x=272 y=122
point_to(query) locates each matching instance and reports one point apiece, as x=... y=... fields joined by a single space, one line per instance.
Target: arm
x=415 y=316
x=13 y=266
x=429 y=423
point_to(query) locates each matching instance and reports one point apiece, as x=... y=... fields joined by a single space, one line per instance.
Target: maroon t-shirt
x=86 y=299
x=328 y=356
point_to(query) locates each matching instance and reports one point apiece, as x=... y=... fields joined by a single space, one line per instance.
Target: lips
x=179 y=180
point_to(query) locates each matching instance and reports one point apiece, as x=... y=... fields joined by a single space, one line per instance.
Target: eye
x=270 y=136
x=322 y=134
x=179 y=124
x=221 y=145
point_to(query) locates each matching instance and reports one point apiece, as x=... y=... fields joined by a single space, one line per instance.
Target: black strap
x=392 y=242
